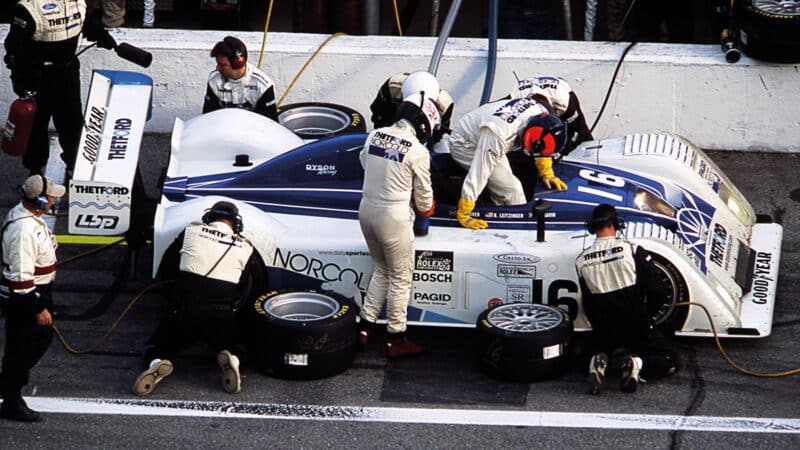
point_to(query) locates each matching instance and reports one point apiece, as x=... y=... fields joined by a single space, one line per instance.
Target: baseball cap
x=33 y=187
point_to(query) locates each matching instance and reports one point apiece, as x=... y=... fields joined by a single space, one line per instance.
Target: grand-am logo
x=96 y=221
x=520 y=259
x=433 y=261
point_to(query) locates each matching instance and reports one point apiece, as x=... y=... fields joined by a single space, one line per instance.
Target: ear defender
x=537 y=142
x=212 y=214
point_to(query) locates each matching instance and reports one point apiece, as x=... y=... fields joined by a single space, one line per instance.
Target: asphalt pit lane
x=795 y=195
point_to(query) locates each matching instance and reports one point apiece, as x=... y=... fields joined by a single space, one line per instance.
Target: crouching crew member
x=396 y=168
x=214 y=258
x=615 y=279
x=235 y=83
x=29 y=268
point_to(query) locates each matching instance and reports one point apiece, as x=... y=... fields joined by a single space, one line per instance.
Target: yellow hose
x=311 y=58
x=264 y=37
x=397 y=18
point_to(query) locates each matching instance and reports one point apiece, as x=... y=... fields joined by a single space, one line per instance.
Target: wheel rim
x=301 y=306
x=666 y=280
x=315 y=120
x=525 y=317
x=788 y=8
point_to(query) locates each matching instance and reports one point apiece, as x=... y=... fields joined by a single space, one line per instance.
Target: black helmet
x=544 y=135
x=423 y=114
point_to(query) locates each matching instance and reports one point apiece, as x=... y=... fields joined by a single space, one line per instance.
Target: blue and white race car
x=303 y=197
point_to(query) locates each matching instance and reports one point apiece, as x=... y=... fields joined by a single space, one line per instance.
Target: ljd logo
x=96 y=221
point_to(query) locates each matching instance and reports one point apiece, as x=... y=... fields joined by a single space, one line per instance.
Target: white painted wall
x=686 y=89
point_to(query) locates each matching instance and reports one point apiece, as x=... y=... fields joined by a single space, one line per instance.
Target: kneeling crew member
x=615 y=279
x=29 y=268
x=396 y=168
x=214 y=259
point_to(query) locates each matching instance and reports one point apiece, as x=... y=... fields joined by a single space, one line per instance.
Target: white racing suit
x=29 y=268
x=255 y=92
x=564 y=102
x=479 y=143
x=395 y=165
x=616 y=279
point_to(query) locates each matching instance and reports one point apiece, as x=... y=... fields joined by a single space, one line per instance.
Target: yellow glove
x=464 y=208
x=549 y=178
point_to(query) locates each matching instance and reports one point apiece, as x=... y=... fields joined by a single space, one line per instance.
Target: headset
x=238 y=50
x=39 y=202
x=224 y=210
x=604 y=214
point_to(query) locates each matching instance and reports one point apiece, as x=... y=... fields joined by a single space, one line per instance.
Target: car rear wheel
x=770 y=29
x=320 y=120
x=669 y=289
x=524 y=341
x=303 y=334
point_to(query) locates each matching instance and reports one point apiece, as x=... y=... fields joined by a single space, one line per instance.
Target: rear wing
x=100 y=190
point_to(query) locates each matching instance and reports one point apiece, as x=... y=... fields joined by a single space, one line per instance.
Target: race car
x=710 y=246
x=515 y=281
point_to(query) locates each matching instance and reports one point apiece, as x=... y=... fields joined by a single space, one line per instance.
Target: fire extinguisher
x=17 y=131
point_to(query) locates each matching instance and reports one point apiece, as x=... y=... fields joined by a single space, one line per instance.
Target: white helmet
x=422 y=114
x=421 y=81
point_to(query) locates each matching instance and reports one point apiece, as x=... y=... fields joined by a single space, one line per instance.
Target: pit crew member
x=235 y=83
x=615 y=279
x=40 y=52
x=396 y=169
x=213 y=262
x=29 y=268
x=563 y=101
x=482 y=138
x=402 y=85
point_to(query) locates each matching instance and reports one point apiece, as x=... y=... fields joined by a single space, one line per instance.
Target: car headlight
x=648 y=202
x=738 y=205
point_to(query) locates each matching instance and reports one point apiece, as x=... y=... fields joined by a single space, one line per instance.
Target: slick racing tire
x=669 y=288
x=770 y=29
x=320 y=120
x=524 y=342
x=303 y=334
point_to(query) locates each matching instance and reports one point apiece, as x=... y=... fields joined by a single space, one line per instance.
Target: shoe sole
x=231 y=380
x=148 y=380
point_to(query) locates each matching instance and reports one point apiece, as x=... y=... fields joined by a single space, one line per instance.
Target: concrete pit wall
x=686 y=89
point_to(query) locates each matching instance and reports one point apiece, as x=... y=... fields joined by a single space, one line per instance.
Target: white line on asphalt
x=179 y=408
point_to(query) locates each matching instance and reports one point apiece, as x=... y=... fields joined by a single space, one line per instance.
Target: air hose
x=491 y=62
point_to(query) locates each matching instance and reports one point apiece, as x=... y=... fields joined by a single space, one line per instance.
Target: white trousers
x=390 y=239
x=504 y=187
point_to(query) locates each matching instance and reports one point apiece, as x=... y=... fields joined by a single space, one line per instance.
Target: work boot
x=631 y=366
x=17 y=409
x=597 y=371
x=147 y=380
x=231 y=380
x=400 y=345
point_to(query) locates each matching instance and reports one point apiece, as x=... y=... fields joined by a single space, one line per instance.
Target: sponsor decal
x=719 y=242
x=510 y=111
x=520 y=259
x=518 y=293
x=108 y=190
x=321 y=169
x=603 y=253
x=762 y=280
x=432 y=277
x=94 y=132
x=509 y=271
x=313 y=267
x=432 y=298
x=119 y=139
x=504 y=215
x=388 y=146
x=49 y=6
x=344 y=252
x=96 y=221
x=494 y=302
x=433 y=261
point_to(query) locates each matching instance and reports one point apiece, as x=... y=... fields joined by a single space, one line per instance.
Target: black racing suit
x=40 y=52
x=614 y=277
